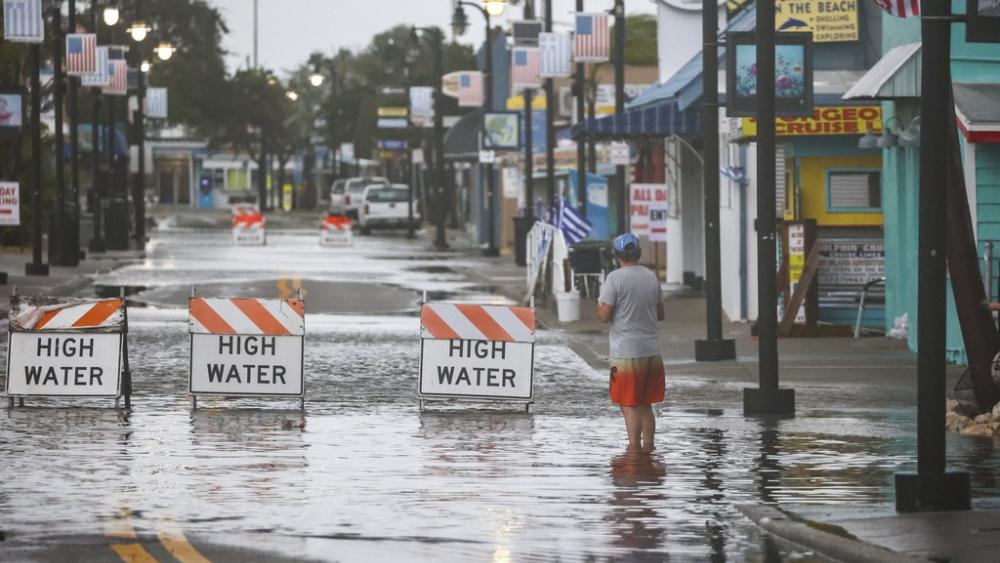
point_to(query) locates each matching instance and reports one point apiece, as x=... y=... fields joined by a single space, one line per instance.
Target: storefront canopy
x=658 y=120
x=978 y=110
x=461 y=141
x=895 y=75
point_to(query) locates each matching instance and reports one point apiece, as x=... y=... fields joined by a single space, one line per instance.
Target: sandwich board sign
x=248 y=226
x=336 y=231
x=67 y=347
x=246 y=347
x=483 y=352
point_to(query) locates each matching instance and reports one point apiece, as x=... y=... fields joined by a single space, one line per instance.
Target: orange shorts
x=637 y=381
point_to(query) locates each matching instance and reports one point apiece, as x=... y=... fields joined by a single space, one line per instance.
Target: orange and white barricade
x=481 y=352
x=249 y=226
x=67 y=347
x=336 y=231
x=244 y=346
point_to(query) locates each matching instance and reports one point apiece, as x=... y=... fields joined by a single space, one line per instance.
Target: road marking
x=120 y=525
x=173 y=539
x=133 y=553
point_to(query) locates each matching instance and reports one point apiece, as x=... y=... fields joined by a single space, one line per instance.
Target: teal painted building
x=896 y=81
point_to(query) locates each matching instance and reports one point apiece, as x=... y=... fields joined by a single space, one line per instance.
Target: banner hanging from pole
x=23 y=21
x=557 y=54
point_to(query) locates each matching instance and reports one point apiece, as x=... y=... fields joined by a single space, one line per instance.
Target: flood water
x=363 y=474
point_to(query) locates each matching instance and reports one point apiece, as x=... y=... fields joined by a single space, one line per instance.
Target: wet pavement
x=362 y=474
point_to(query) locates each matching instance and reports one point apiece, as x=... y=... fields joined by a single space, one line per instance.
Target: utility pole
x=36 y=267
x=550 y=127
x=57 y=240
x=768 y=398
x=933 y=487
x=714 y=347
x=492 y=249
x=97 y=243
x=443 y=193
x=581 y=146
x=71 y=238
x=139 y=187
x=619 y=12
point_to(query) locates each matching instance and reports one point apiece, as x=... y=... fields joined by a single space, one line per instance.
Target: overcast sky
x=291 y=29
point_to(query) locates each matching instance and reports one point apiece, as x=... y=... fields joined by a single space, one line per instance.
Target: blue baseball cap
x=626 y=242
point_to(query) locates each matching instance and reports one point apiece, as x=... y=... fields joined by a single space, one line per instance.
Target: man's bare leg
x=648 y=426
x=633 y=425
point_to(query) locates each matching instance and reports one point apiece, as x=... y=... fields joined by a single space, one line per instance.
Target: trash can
x=521 y=228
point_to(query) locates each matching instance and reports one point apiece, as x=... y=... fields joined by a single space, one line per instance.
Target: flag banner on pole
x=421 y=105
x=116 y=52
x=470 y=89
x=574 y=226
x=591 y=40
x=117 y=78
x=98 y=78
x=81 y=54
x=524 y=67
x=900 y=8
x=156 y=103
x=557 y=54
x=22 y=21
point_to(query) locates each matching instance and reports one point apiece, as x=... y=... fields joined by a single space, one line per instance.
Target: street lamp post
x=57 y=240
x=138 y=31
x=619 y=12
x=550 y=128
x=97 y=243
x=490 y=8
x=581 y=146
x=71 y=237
x=36 y=267
x=442 y=192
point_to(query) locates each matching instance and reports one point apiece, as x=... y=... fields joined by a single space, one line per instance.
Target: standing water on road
x=362 y=474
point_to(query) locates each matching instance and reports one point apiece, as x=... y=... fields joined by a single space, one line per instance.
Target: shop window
x=854 y=190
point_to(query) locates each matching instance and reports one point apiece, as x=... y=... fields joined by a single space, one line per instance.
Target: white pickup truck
x=386 y=207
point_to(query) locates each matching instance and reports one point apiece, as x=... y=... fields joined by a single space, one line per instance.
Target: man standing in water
x=632 y=301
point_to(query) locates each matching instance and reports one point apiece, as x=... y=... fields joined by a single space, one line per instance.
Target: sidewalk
x=61 y=281
x=841 y=533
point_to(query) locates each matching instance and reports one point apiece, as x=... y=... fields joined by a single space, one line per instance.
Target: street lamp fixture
x=459 y=21
x=292 y=95
x=495 y=8
x=316 y=78
x=139 y=30
x=165 y=51
x=145 y=66
x=111 y=14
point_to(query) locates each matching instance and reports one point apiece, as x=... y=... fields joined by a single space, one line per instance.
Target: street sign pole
x=581 y=146
x=550 y=128
x=57 y=240
x=619 y=12
x=491 y=204
x=36 y=267
x=714 y=347
x=71 y=238
x=97 y=243
x=529 y=160
x=768 y=398
x=443 y=195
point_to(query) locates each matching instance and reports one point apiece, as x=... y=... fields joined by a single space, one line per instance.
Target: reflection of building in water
x=638 y=525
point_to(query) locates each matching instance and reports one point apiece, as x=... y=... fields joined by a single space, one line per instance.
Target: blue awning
x=659 y=120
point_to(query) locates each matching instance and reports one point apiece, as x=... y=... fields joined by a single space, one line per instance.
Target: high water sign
x=247 y=346
x=477 y=351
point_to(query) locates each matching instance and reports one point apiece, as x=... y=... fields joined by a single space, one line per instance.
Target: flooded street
x=363 y=474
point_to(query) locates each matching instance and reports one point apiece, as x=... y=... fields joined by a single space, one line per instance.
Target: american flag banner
x=117 y=78
x=470 y=89
x=22 y=21
x=156 y=103
x=591 y=41
x=98 y=78
x=524 y=68
x=556 y=53
x=900 y=8
x=81 y=54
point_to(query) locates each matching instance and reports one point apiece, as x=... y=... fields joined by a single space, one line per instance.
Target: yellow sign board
x=393 y=112
x=828 y=20
x=516 y=103
x=830 y=120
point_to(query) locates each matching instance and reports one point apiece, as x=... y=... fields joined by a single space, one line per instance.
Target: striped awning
x=653 y=121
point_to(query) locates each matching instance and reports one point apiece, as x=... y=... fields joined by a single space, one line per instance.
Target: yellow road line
x=120 y=525
x=173 y=539
x=133 y=553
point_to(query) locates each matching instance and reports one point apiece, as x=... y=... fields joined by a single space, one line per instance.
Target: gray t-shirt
x=634 y=292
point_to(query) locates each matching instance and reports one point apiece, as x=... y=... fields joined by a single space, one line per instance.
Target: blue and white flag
x=574 y=226
x=156 y=103
x=557 y=54
x=22 y=21
x=99 y=78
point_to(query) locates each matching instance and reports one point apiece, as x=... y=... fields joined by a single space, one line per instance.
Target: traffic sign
x=247 y=346
x=392 y=144
x=67 y=347
x=392 y=91
x=619 y=153
x=487 y=157
x=393 y=123
x=477 y=351
x=393 y=112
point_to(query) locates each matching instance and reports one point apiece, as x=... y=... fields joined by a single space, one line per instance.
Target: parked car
x=354 y=192
x=337 y=197
x=385 y=207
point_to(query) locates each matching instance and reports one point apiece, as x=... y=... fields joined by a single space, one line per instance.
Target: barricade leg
x=10 y=402
x=194 y=402
x=20 y=401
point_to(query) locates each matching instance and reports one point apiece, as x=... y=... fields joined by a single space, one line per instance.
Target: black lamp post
x=71 y=235
x=138 y=32
x=97 y=243
x=491 y=8
x=442 y=195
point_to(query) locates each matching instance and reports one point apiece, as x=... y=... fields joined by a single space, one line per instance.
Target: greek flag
x=22 y=21
x=566 y=218
x=557 y=52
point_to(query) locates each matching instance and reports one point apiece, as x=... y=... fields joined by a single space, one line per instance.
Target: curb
x=832 y=546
